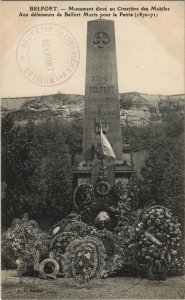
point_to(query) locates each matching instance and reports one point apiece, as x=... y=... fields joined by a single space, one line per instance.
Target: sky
x=150 y=51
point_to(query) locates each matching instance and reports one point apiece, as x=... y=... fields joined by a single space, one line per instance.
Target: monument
x=102 y=110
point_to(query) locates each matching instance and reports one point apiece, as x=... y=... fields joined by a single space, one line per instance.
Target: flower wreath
x=53 y=268
x=84 y=260
x=79 y=228
x=103 y=188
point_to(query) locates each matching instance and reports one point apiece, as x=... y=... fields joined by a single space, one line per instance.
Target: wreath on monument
x=103 y=188
x=84 y=196
x=85 y=202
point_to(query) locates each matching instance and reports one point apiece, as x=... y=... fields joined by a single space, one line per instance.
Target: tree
x=172 y=186
x=37 y=173
x=163 y=173
x=19 y=164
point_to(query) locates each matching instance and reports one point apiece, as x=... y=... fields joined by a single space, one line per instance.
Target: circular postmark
x=47 y=54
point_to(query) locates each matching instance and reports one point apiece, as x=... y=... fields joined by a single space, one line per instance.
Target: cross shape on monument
x=101 y=39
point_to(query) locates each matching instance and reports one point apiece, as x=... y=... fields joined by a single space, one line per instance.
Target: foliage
x=119 y=191
x=141 y=138
x=152 y=173
x=172 y=187
x=174 y=123
x=73 y=133
x=133 y=191
x=36 y=172
x=163 y=174
x=25 y=241
x=85 y=202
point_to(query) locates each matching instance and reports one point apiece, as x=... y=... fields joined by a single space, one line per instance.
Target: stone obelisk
x=101 y=91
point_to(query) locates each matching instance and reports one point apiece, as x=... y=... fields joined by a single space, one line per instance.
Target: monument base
x=87 y=172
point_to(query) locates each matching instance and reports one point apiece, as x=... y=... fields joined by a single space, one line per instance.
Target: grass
x=14 y=287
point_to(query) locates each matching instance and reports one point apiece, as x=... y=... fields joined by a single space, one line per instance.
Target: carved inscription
x=101 y=78
x=101 y=89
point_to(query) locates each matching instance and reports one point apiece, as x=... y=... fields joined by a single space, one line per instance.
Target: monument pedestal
x=121 y=169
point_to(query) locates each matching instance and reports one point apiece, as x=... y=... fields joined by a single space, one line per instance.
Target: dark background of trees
x=36 y=170
x=36 y=166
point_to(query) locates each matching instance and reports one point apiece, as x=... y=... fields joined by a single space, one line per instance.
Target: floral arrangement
x=83 y=195
x=79 y=228
x=62 y=239
x=119 y=190
x=84 y=260
x=58 y=246
x=155 y=242
x=26 y=243
x=122 y=206
x=115 y=250
x=85 y=202
x=150 y=242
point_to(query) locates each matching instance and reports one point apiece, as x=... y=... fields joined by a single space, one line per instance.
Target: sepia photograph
x=92 y=150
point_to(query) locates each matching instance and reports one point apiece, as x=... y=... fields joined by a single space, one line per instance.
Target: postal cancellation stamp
x=47 y=54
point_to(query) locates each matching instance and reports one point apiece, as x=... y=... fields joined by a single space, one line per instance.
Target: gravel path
x=110 y=288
